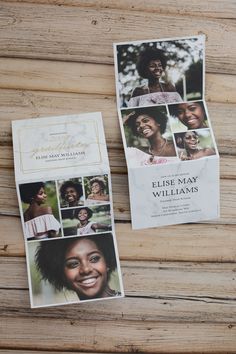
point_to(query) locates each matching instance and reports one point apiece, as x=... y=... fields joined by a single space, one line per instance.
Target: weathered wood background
x=180 y=281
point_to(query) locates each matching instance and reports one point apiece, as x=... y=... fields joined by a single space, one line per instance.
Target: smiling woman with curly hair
x=97 y=191
x=81 y=264
x=151 y=65
x=150 y=123
x=189 y=148
x=71 y=194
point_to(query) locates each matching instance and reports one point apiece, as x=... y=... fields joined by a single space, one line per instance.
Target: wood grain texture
x=86 y=34
x=171 y=243
x=150 y=279
x=61 y=76
x=165 y=308
x=118 y=336
x=180 y=280
x=213 y=8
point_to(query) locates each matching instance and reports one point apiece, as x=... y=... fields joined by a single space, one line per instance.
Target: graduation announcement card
x=64 y=191
x=171 y=154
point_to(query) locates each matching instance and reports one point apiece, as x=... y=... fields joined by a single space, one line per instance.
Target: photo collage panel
x=167 y=133
x=160 y=92
x=69 y=233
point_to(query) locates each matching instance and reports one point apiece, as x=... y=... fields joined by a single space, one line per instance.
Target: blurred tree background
x=101 y=214
x=184 y=67
x=205 y=138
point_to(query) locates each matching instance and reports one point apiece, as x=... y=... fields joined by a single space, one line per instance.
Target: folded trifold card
x=64 y=191
x=171 y=154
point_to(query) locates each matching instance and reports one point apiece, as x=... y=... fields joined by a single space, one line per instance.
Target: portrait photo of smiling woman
x=188 y=115
x=151 y=65
x=148 y=136
x=78 y=268
x=193 y=145
x=159 y=72
x=85 y=221
x=96 y=189
x=71 y=193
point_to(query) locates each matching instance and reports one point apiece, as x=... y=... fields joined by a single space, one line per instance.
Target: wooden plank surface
x=180 y=280
x=70 y=33
x=199 y=242
x=120 y=336
x=175 y=293
x=165 y=308
x=213 y=8
x=61 y=76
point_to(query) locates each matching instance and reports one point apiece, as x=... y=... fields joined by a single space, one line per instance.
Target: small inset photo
x=86 y=221
x=71 y=192
x=188 y=116
x=73 y=269
x=40 y=210
x=96 y=189
x=194 y=144
x=148 y=136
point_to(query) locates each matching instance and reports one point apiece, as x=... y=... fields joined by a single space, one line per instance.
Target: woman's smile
x=155 y=69
x=83 y=215
x=85 y=269
x=191 y=114
x=191 y=141
x=146 y=126
x=70 y=195
x=88 y=282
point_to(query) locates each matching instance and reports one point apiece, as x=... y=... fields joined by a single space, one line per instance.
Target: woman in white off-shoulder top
x=151 y=66
x=40 y=222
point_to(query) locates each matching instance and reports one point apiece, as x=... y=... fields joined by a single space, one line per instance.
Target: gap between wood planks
x=127 y=336
x=181 y=243
x=86 y=34
x=199 y=8
x=164 y=308
x=86 y=78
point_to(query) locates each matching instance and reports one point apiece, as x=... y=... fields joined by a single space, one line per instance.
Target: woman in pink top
x=39 y=220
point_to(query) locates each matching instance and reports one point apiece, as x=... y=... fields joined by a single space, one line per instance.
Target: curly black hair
x=154 y=112
x=99 y=180
x=29 y=190
x=146 y=56
x=71 y=184
x=89 y=211
x=50 y=257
